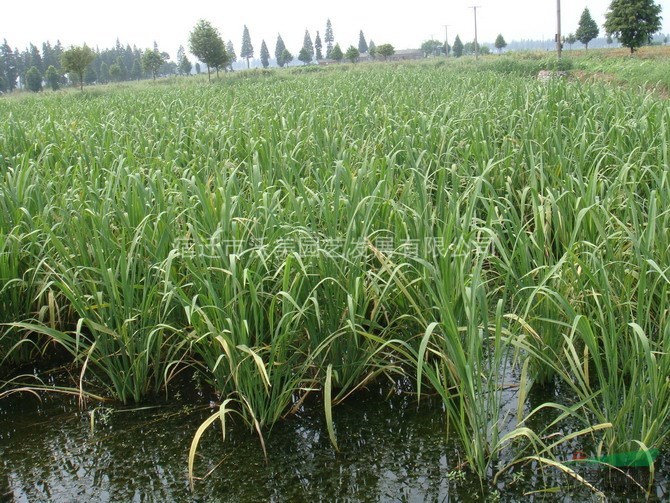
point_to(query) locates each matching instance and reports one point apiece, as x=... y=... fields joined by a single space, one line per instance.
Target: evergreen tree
x=137 y=70
x=329 y=39
x=307 y=50
x=53 y=78
x=633 y=22
x=279 y=51
x=500 y=43
x=34 y=79
x=265 y=55
x=362 y=44
x=458 y=47
x=9 y=66
x=230 y=49
x=206 y=45
x=337 y=53
x=570 y=39
x=115 y=73
x=103 y=75
x=76 y=60
x=35 y=59
x=197 y=68
x=123 y=72
x=318 y=46
x=587 y=29
x=90 y=77
x=247 y=51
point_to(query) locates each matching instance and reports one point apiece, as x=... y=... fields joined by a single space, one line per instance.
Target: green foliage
x=633 y=22
x=76 y=60
x=286 y=57
x=307 y=52
x=247 y=50
x=318 y=46
x=137 y=70
x=489 y=236
x=500 y=42
x=337 y=53
x=280 y=47
x=362 y=44
x=458 y=47
x=385 y=50
x=329 y=39
x=265 y=55
x=152 y=60
x=53 y=78
x=352 y=54
x=33 y=80
x=587 y=29
x=304 y=56
x=432 y=48
x=207 y=45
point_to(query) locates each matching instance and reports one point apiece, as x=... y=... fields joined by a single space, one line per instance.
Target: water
x=390 y=450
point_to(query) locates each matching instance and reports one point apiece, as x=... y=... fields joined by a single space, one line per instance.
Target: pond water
x=391 y=449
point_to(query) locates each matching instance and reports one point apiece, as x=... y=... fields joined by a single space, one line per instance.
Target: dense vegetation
x=312 y=234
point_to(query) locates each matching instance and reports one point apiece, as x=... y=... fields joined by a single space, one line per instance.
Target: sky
x=405 y=25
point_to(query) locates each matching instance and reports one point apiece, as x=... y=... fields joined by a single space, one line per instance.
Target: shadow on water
x=390 y=450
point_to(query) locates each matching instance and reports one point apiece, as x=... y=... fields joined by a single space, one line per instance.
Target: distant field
x=462 y=227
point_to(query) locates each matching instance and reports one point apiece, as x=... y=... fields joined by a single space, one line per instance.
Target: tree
x=337 y=53
x=184 y=65
x=352 y=54
x=247 y=51
x=115 y=72
x=329 y=39
x=279 y=51
x=286 y=57
x=372 y=49
x=34 y=79
x=432 y=48
x=386 y=50
x=152 y=60
x=318 y=46
x=75 y=60
x=103 y=74
x=136 y=72
x=609 y=39
x=197 y=68
x=307 y=49
x=230 y=50
x=500 y=43
x=570 y=39
x=633 y=22
x=9 y=65
x=90 y=77
x=362 y=44
x=53 y=78
x=265 y=55
x=458 y=47
x=206 y=45
x=587 y=29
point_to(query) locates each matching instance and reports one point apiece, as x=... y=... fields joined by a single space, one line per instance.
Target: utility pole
x=559 y=44
x=474 y=8
x=446 y=40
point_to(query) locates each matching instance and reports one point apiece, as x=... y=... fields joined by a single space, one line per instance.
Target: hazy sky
x=405 y=25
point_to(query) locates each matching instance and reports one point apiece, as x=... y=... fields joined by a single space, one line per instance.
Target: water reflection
x=390 y=450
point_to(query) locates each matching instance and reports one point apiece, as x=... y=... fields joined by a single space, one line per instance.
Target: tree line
x=632 y=22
